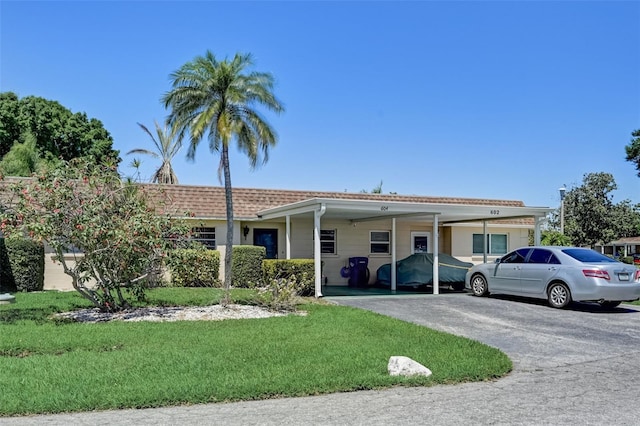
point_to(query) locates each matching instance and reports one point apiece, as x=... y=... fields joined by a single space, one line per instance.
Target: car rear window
x=588 y=256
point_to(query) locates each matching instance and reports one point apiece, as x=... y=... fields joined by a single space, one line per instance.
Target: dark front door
x=267 y=238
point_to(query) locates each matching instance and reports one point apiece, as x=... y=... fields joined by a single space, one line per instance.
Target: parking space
x=530 y=332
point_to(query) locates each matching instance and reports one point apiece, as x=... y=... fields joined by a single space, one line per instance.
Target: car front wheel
x=479 y=285
x=559 y=295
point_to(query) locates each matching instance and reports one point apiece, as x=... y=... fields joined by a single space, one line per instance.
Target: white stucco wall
x=462 y=240
x=352 y=241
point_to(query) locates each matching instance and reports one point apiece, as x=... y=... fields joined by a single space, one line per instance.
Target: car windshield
x=588 y=256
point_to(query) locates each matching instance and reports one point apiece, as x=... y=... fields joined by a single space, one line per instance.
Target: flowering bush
x=281 y=293
x=118 y=238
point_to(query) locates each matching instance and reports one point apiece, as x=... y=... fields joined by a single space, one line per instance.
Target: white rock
x=178 y=313
x=6 y=298
x=405 y=366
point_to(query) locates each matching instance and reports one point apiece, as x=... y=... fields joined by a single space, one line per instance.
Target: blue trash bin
x=358 y=271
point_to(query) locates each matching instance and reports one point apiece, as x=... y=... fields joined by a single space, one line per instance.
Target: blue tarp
x=417 y=270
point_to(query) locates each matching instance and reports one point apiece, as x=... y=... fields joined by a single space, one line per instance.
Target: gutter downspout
x=317 y=258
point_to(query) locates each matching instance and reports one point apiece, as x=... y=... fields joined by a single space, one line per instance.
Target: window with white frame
x=328 y=241
x=496 y=243
x=205 y=235
x=380 y=242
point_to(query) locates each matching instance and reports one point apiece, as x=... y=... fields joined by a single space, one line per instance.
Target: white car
x=559 y=275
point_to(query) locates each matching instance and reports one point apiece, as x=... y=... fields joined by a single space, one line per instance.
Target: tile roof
x=622 y=241
x=208 y=202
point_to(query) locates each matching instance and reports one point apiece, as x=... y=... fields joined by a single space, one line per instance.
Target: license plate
x=623 y=277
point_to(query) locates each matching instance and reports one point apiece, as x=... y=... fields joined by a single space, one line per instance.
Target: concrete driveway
x=578 y=366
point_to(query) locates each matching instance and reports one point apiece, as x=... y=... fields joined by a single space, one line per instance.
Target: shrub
x=7 y=282
x=626 y=259
x=194 y=267
x=22 y=263
x=304 y=269
x=247 y=266
x=116 y=225
x=282 y=294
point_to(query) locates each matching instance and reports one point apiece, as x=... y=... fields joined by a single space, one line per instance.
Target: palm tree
x=217 y=99
x=166 y=148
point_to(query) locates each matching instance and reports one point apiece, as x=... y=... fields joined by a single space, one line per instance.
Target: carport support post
x=436 y=278
x=537 y=231
x=484 y=241
x=317 y=255
x=393 y=254
x=288 y=236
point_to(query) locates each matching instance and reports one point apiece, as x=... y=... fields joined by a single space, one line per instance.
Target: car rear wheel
x=559 y=295
x=609 y=304
x=479 y=285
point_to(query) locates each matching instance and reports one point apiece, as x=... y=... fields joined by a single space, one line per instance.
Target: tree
x=117 y=238
x=22 y=159
x=217 y=99
x=633 y=149
x=554 y=238
x=591 y=217
x=376 y=190
x=625 y=218
x=9 y=127
x=166 y=148
x=58 y=132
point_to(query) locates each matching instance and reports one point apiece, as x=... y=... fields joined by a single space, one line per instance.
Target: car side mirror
x=497 y=260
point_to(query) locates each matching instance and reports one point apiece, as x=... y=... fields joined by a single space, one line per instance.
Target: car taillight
x=596 y=273
x=637 y=277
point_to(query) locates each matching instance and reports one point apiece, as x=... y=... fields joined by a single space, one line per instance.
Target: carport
x=356 y=211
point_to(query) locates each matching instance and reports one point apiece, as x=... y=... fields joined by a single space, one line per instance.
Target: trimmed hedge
x=194 y=268
x=22 y=265
x=246 y=264
x=303 y=269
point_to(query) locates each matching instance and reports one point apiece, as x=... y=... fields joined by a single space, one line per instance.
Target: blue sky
x=482 y=99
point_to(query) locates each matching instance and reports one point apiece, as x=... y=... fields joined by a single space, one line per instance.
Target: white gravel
x=180 y=313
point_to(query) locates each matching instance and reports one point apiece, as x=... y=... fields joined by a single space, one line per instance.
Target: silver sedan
x=559 y=275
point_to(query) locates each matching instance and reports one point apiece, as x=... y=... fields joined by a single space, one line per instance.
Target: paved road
x=578 y=366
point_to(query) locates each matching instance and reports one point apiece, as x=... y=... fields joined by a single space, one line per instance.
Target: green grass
x=49 y=366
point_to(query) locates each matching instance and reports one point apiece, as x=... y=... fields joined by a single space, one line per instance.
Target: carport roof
x=358 y=210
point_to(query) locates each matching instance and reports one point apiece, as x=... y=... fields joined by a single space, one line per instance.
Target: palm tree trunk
x=228 y=272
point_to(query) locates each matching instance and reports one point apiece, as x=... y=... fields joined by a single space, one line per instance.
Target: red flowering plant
x=108 y=234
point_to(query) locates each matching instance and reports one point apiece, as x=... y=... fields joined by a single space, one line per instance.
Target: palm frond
x=167 y=145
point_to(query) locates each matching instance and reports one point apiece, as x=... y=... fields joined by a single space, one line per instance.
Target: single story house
x=623 y=247
x=331 y=227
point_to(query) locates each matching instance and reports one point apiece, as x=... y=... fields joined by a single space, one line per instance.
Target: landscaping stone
x=405 y=366
x=6 y=298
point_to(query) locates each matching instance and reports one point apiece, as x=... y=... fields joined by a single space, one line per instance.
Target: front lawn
x=49 y=366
